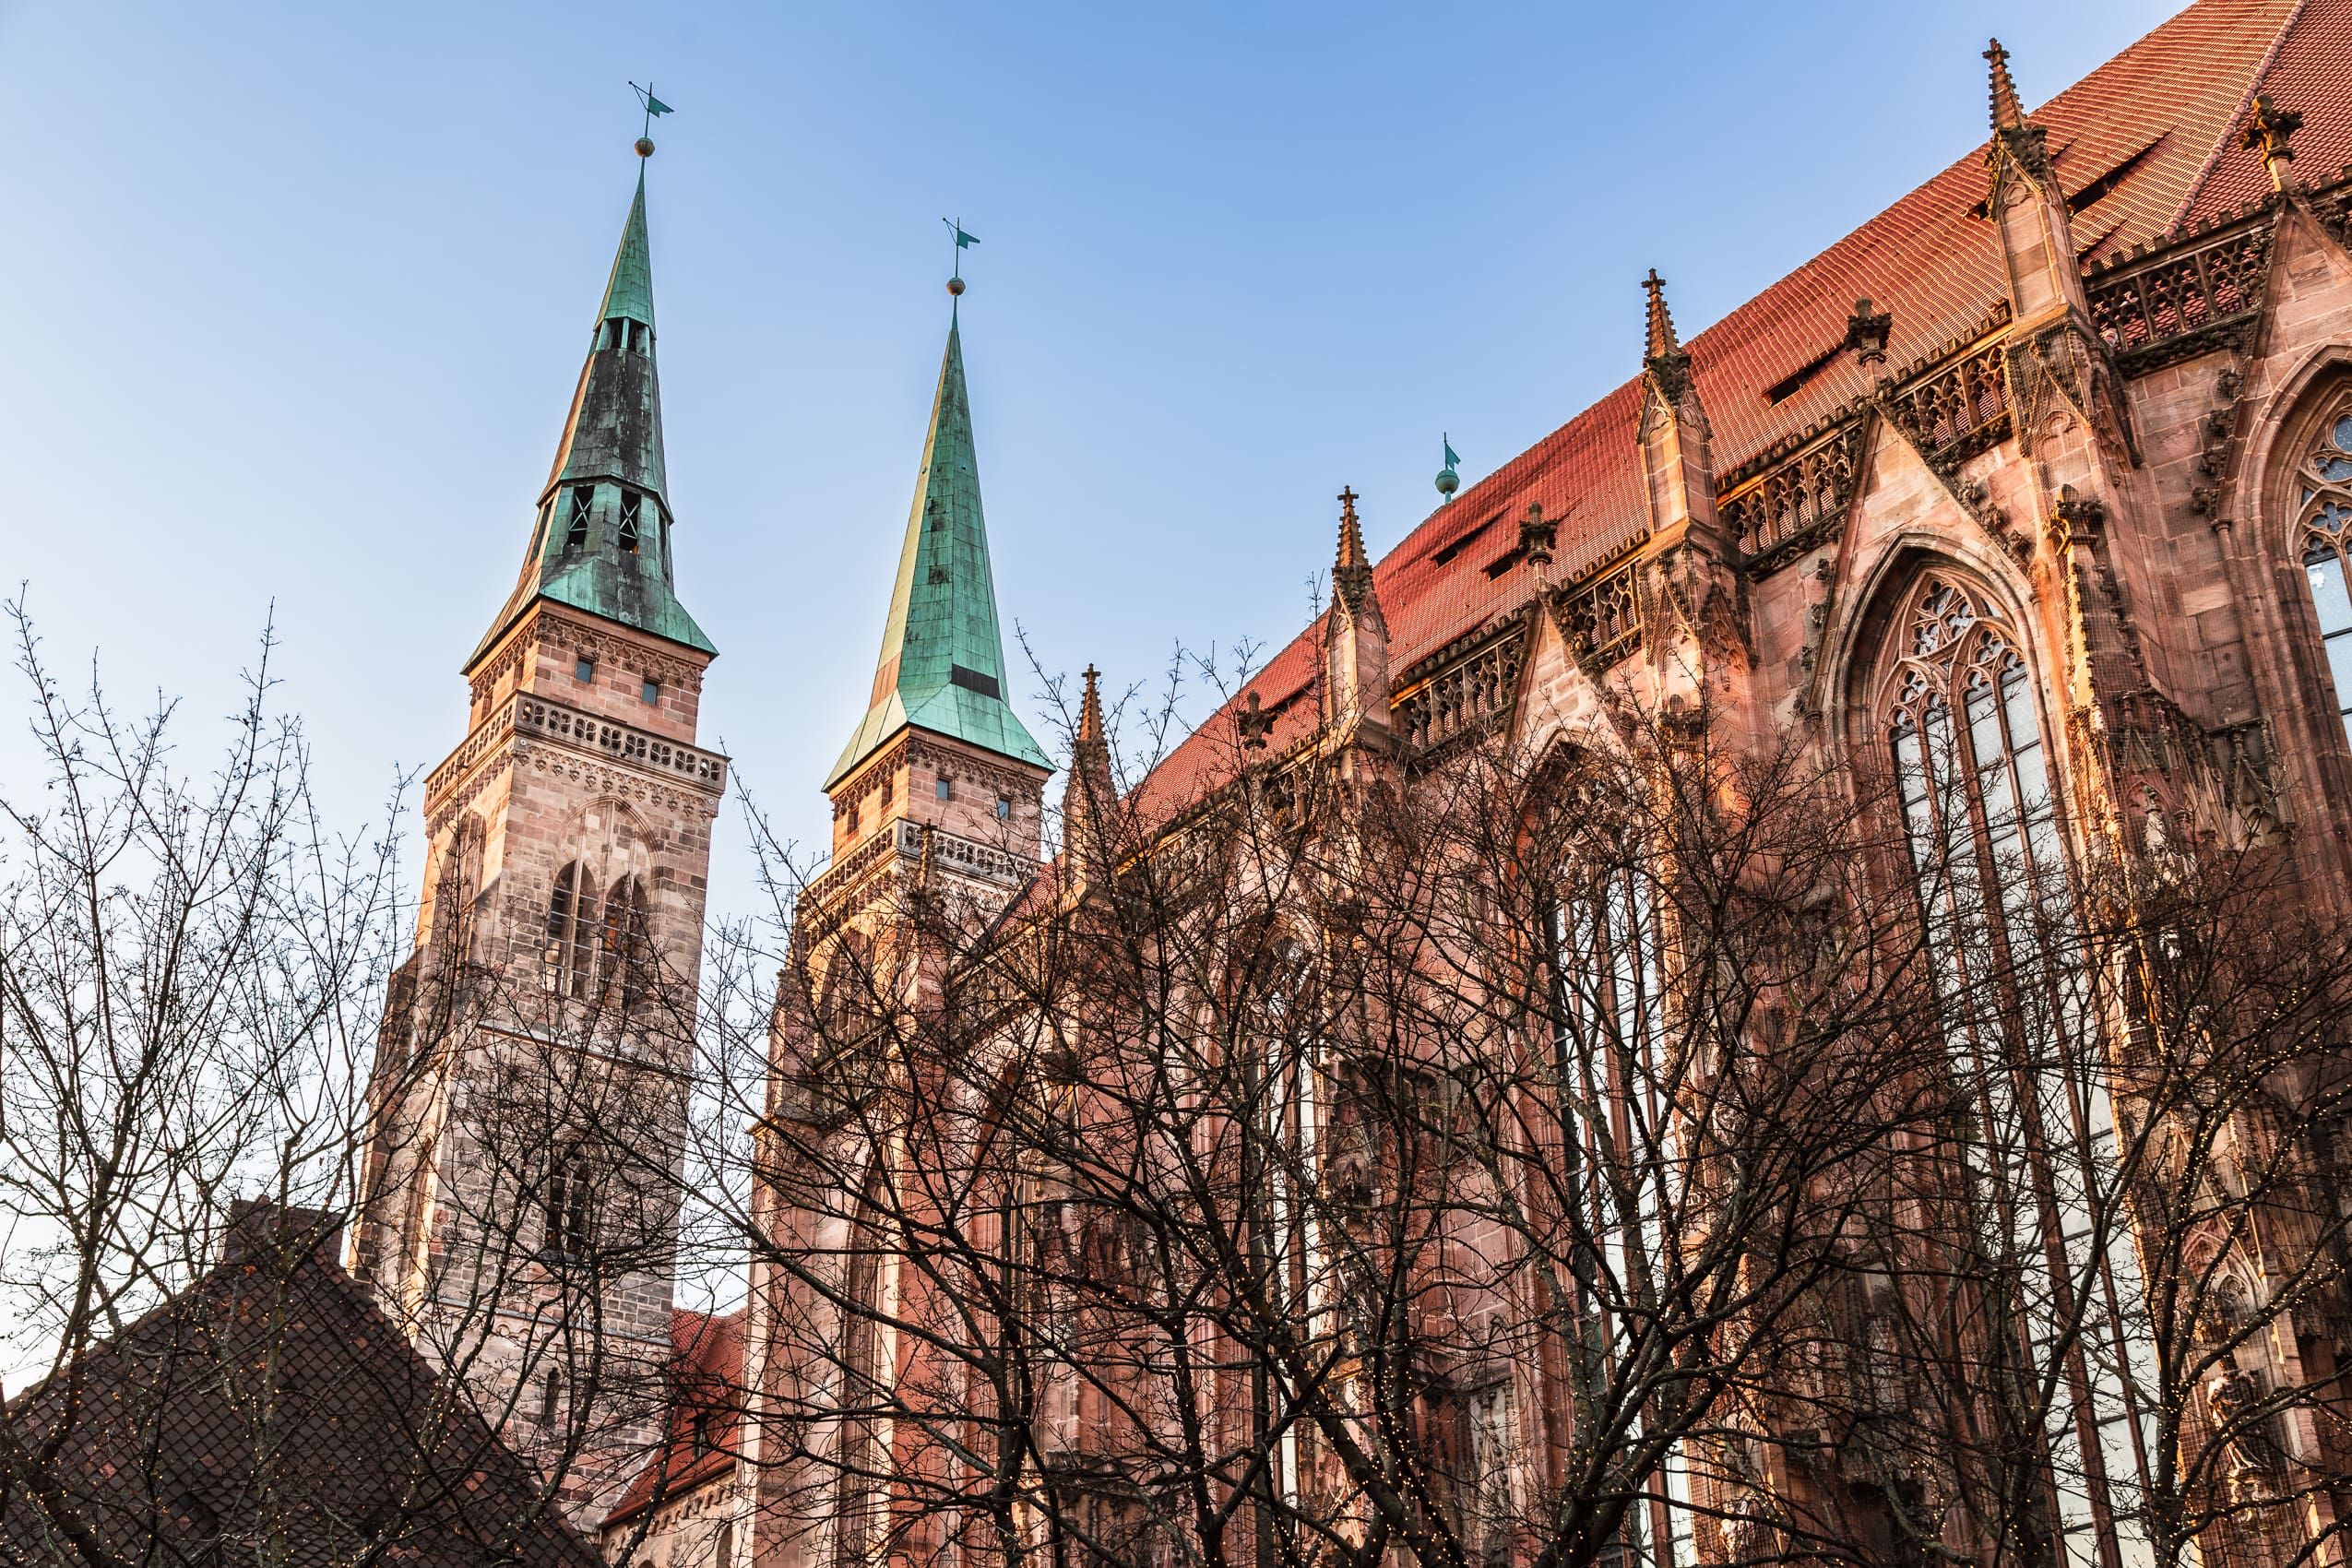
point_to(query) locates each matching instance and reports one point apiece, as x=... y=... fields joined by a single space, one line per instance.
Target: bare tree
x=1644 y=1150
x=195 y=969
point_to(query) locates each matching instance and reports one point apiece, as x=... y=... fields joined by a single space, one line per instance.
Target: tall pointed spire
x=942 y=666
x=2007 y=112
x=1351 y=568
x=1355 y=632
x=602 y=541
x=1660 y=338
x=1088 y=795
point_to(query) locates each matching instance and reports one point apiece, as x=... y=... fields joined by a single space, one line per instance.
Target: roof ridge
x=2220 y=148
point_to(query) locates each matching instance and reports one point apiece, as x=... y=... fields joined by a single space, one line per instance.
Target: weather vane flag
x=653 y=107
x=963 y=243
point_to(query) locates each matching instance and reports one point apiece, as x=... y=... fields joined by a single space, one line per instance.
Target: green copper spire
x=942 y=667
x=602 y=542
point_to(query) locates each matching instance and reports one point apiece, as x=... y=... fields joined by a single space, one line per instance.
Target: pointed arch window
x=2324 y=533
x=624 y=951
x=1981 y=815
x=570 y=940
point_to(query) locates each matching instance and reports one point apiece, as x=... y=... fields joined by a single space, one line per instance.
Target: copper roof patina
x=942 y=666
x=611 y=447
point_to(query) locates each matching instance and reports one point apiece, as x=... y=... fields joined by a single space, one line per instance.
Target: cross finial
x=1348 y=505
x=2007 y=112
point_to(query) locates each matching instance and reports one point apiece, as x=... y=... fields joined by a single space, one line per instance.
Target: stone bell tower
x=937 y=805
x=520 y=1186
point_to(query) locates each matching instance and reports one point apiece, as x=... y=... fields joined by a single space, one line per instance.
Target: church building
x=2032 y=498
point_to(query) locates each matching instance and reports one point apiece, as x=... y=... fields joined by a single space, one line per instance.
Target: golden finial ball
x=645 y=147
x=955 y=287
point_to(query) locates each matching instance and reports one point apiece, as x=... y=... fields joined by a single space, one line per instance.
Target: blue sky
x=297 y=295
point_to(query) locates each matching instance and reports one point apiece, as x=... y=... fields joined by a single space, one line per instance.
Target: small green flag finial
x=653 y=107
x=1448 y=481
x=1451 y=456
x=963 y=243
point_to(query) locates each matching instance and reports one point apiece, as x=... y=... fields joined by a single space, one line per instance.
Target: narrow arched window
x=570 y=941
x=2326 y=546
x=625 y=953
x=1973 y=781
x=570 y=1205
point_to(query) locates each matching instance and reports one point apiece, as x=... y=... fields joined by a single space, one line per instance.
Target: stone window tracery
x=1975 y=785
x=2323 y=539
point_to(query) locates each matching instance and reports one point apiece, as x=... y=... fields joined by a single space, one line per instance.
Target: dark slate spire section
x=942 y=666
x=602 y=542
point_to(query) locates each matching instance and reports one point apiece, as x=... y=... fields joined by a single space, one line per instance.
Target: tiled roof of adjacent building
x=700 y=1444
x=2147 y=147
x=277 y=1351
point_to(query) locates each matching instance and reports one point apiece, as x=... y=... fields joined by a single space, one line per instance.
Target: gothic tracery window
x=1969 y=761
x=2324 y=537
x=1957 y=700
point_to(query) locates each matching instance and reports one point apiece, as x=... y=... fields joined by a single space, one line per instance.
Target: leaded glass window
x=1975 y=785
x=2325 y=536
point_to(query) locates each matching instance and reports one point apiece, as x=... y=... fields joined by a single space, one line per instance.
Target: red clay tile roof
x=2159 y=121
x=700 y=1444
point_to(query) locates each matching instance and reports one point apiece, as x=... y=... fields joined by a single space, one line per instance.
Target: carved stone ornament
x=1537 y=536
x=2266 y=129
x=2075 y=519
x=2230 y=1397
x=1867 y=332
x=1253 y=723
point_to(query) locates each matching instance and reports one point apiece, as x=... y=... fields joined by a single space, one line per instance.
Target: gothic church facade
x=2062 y=442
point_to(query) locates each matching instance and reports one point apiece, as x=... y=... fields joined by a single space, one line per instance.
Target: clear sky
x=297 y=295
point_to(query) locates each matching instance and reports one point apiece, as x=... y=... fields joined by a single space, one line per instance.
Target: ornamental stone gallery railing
x=1797 y=498
x=2153 y=309
x=525 y=714
x=1602 y=615
x=906 y=840
x=1467 y=683
x=1958 y=410
x=1953 y=404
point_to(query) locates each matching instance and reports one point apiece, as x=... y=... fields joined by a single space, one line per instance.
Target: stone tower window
x=650 y=693
x=568 y=937
x=2326 y=537
x=946 y=788
x=571 y=1206
x=583 y=502
x=1004 y=808
x=631 y=504
x=624 y=948
x=583 y=668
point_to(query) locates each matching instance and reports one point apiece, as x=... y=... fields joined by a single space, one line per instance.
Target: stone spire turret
x=2028 y=211
x=602 y=543
x=1355 y=637
x=1089 y=795
x=1675 y=458
x=942 y=665
x=1658 y=340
